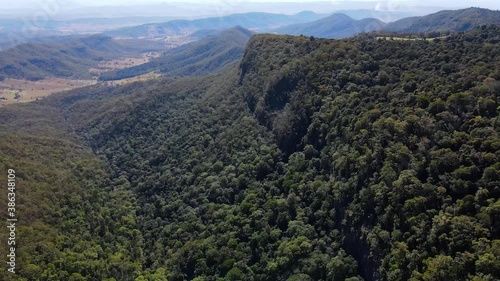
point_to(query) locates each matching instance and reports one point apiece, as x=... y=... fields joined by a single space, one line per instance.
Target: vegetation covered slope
x=314 y=160
x=198 y=58
x=452 y=20
x=70 y=58
x=335 y=26
x=74 y=223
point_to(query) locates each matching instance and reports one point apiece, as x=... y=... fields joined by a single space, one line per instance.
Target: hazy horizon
x=115 y=8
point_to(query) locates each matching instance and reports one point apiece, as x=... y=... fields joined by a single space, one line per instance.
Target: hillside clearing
x=17 y=90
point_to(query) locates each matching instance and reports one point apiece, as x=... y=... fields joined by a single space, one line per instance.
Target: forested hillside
x=74 y=221
x=449 y=20
x=315 y=159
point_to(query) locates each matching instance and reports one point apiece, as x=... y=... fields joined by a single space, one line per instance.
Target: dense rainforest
x=312 y=159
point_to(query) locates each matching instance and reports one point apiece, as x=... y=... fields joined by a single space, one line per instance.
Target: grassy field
x=16 y=90
x=19 y=90
x=144 y=77
x=122 y=63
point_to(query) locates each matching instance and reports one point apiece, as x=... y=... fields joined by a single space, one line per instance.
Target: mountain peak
x=340 y=16
x=336 y=26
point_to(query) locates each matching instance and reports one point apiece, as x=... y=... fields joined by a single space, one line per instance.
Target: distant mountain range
x=337 y=26
x=308 y=23
x=198 y=58
x=260 y=22
x=202 y=9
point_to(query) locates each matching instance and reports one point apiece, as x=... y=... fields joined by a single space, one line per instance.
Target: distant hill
x=201 y=57
x=70 y=58
x=254 y=21
x=7 y=40
x=335 y=26
x=203 y=33
x=450 y=20
x=386 y=15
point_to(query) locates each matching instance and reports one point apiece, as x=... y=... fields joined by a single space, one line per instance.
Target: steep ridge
x=346 y=95
x=315 y=159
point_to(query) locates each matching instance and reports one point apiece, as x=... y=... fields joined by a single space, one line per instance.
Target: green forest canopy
x=355 y=159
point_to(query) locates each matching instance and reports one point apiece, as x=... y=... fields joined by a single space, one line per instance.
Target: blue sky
x=10 y=4
x=491 y=4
